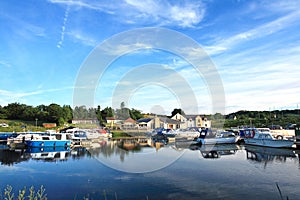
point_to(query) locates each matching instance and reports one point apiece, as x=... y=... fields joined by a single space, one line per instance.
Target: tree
x=122 y=105
x=107 y=112
x=15 y=110
x=55 y=112
x=99 y=115
x=136 y=114
x=67 y=113
x=177 y=110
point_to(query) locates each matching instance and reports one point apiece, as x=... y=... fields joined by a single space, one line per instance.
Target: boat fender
x=42 y=144
x=279 y=137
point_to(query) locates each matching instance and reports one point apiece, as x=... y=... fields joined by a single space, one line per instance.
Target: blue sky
x=254 y=45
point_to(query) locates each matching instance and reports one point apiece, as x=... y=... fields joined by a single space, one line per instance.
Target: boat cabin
x=265 y=136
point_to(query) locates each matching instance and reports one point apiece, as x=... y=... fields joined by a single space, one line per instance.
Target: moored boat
x=224 y=137
x=267 y=140
x=51 y=140
x=19 y=140
x=77 y=135
x=5 y=135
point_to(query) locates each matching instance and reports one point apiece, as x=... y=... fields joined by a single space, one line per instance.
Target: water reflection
x=215 y=151
x=116 y=153
x=14 y=156
x=11 y=157
x=49 y=154
x=267 y=154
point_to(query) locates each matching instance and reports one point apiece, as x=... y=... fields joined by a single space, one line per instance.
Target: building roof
x=145 y=120
x=130 y=120
x=169 y=121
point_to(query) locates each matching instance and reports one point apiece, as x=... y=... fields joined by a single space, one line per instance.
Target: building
x=146 y=123
x=129 y=124
x=189 y=121
x=49 y=125
x=85 y=121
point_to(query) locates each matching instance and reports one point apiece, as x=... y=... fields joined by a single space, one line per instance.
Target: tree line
x=55 y=113
x=283 y=118
x=52 y=113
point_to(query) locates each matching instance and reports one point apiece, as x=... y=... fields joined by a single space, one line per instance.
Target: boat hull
x=208 y=141
x=43 y=143
x=269 y=143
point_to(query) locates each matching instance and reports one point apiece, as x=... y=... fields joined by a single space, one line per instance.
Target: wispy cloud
x=263 y=30
x=186 y=14
x=25 y=29
x=78 y=36
x=179 y=14
x=13 y=96
x=4 y=63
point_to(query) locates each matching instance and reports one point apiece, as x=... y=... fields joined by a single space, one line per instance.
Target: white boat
x=19 y=141
x=97 y=133
x=267 y=140
x=77 y=135
x=225 y=137
x=186 y=133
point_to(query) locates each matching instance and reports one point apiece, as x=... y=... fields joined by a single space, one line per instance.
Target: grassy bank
x=119 y=133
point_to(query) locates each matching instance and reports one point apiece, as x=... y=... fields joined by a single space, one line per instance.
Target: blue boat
x=5 y=135
x=51 y=140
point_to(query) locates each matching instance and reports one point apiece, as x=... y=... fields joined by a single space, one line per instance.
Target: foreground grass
x=23 y=194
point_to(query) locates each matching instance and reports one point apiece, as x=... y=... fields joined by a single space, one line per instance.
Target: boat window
x=268 y=137
x=68 y=137
x=45 y=138
x=58 y=136
x=260 y=136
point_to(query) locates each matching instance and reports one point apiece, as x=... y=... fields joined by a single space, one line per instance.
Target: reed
x=23 y=194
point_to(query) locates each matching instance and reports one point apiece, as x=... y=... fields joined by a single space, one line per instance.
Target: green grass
x=119 y=133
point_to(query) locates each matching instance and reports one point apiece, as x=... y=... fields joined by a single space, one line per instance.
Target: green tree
x=14 y=110
x=99 y=116
x=177 y=110
x=55 y=112
x=136 y=114
x=67 y=113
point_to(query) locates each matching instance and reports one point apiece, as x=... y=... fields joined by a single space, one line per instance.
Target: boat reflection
x=11 y=157
x=49 y=154
x=216 y=151
x=269 y=154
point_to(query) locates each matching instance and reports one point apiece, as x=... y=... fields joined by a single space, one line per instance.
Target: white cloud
x=79 y=37
x=188 y=14
x=179 y=14
x=263 y=30
x=4 y=63
x=14 y=96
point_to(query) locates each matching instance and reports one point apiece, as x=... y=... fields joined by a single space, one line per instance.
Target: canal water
x=174 y=171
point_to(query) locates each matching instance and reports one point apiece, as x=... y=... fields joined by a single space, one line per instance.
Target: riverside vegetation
x=23 y=194
x=18 y=115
